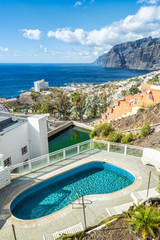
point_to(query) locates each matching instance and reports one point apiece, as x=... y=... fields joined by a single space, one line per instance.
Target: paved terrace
x=95 y=212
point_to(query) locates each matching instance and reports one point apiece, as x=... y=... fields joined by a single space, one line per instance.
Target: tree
x=144 y=219
x=134 y=90
x=35 y=98
x=46 y=106
x=61 y=102
x=124 y=93
x=103 y=102
x=75 y=99
x=81 y=106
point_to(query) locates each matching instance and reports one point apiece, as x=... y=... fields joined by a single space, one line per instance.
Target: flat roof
x=9 y=122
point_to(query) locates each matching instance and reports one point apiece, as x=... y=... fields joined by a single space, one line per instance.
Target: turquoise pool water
x=68 y=138
x=52 y=195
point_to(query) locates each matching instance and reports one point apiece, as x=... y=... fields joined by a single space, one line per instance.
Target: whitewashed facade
x=40 y=85
x=23 y=140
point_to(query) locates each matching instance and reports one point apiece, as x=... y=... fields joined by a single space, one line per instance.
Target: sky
x=70 y=31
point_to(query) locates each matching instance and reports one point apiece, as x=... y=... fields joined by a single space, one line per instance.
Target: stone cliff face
x=143 y=54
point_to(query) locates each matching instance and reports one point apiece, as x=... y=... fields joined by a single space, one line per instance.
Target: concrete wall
x=154 y=127
x=151 y=156
x=13 y=141
x=37 y=134
x=59 y=129
x=67 y=125
x=32 y=134
x=82 y=125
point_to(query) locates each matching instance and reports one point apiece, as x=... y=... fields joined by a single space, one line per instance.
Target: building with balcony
x=40 y=85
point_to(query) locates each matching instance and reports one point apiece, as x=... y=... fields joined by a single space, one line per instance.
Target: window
x=7 y=162
x=24 y=150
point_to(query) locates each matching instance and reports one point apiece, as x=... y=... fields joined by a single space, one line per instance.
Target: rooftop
x=9 y=122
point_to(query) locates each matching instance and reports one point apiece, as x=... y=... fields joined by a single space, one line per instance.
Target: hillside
x=143 y=54
x=149 y=116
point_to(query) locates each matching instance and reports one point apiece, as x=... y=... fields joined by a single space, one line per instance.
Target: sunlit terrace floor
x=95 y=212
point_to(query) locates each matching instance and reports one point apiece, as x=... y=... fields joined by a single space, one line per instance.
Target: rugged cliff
x=143 y=54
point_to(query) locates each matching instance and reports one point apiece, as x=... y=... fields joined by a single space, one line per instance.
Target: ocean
x=17 y=77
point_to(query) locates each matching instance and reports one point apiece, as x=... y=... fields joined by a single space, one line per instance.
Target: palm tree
x=144 y=219
x=75 y=99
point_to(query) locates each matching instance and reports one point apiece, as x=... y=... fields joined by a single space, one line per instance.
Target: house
x=130 y=104
x=22 y=139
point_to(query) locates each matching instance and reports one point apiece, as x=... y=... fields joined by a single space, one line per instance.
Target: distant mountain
x=143 y=54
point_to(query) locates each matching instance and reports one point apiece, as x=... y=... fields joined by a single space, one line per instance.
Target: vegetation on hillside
x=60 y=104
x=105 y=132
x=144 y=220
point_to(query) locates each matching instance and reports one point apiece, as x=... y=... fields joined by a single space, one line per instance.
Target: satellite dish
x=14 y=118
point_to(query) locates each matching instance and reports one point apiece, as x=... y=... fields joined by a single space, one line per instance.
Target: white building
x=22 y=139
x=40 y=85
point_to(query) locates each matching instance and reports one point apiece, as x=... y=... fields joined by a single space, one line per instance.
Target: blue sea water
x=17 y=77
x=53 y=194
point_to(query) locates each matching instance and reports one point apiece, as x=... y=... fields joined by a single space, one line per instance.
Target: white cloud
x=83 y=2
x=45 y=50
x=3 y=49
x=78 y=4
x=32 y=34
x=148 y=1
x=146 y=22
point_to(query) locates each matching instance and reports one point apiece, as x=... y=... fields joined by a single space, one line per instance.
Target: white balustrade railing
x=66 y=153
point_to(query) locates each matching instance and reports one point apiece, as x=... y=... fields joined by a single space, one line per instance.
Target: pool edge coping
x=96 y=197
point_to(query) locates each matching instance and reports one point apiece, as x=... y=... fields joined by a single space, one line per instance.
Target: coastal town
x=107 y=101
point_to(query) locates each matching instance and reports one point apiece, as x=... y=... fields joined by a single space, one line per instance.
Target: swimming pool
x=53 y=194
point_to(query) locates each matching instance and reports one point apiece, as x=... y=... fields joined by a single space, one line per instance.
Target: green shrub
x=127 y=138
x=101 y=130
x=114 y=137
x=150 y=105
x=145 y=220
x=145 y=130
x=141 y=110
x=139 y=135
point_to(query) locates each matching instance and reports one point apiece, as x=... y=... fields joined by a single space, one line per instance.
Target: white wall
x=151 y=156
x=32 y=134
x=38 y=136
x=13 y=141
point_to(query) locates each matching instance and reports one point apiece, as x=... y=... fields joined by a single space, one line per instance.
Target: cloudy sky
x=70 y=31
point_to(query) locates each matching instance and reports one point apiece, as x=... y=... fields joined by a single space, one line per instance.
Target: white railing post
x=48 y=160
x=30 y=165
x=108 y=147
x=78 y=149
x=91 y=144
x=64 y=153
x=125 y=150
